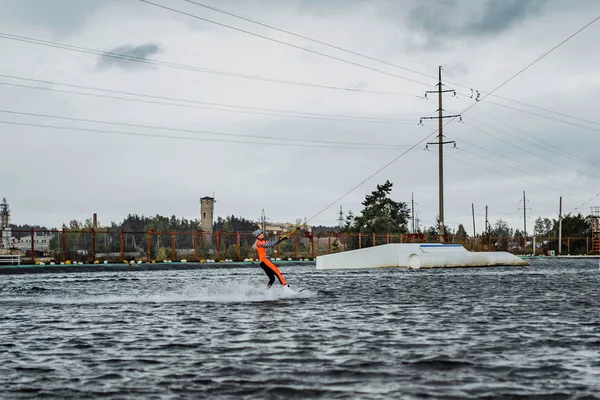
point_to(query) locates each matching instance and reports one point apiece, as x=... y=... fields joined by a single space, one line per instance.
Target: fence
x=118 y=245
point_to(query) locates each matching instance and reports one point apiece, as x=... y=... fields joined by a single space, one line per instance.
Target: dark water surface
x=470 y=333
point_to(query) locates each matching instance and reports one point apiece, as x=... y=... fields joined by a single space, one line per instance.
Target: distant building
x=272 y=228
x=40 y=242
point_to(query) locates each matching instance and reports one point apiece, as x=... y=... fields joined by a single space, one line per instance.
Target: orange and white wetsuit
x=270 y=269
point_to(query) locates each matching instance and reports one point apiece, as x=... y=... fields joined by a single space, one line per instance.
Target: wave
x=213 y=292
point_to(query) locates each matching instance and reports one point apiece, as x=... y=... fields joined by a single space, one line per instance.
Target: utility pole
x=263 y=221
x=487 y=230
x=441 y=144
x=341 y=219
x=524 y=221
x=560 y=227
x=524 y=216
x=413 y=211
x=417 y=220
x=473 y=212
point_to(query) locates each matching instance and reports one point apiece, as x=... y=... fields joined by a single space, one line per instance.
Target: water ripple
x=477 y=333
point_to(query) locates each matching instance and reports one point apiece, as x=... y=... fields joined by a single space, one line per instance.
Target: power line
x=486 y=169
x=468 y=108
x=346 y=144
x=506 y=165
x=305 y=37
x=500 y=212
x=245 y=18
x=517 y=169
x=544 y=109
x=540 y=115
x=282 y=143
x=558 y=151
x=372 y=175
x=584 y=203
x=211 y=106
x=285 y=43
x=554 y=162
x=126 y=57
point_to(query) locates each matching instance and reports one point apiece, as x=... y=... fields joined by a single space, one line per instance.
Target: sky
x=269 y=120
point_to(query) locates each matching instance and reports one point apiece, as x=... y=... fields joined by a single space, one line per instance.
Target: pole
x=441 y=156
x=237 y=242
x=473 y=212
x=172 y=245
x=33 y=245
x=524 y=216
x=150 y=244
x=121 y=243
x=94 y=227
x=63 y=245
x=413 y=212
x=295 y=247
x=473 y=241
x=560 y=227
x=93 y=244
x=486 y=220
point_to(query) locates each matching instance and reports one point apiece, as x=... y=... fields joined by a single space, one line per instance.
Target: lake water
x=374 y=334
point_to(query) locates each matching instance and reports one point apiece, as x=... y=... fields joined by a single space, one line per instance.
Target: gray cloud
x=499 y=15
x=446 y=20
x=61 y=16
x=142 y=51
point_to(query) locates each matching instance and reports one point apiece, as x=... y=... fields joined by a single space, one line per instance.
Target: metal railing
x=10 y=259
x=119 y=245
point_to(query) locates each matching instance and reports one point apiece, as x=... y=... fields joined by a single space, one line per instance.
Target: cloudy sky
x=121 y=106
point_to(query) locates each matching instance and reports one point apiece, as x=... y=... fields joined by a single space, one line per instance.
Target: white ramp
x=416 y=255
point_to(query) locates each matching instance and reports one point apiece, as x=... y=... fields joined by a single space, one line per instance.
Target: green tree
x=231 y=252
x=543 y=227
x=461 y=231
x=380 y=214
x=574 y=226
x=501 y=228
x=438 y=227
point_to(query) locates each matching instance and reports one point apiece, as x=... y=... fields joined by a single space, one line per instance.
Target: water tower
x=5 y=242
x=207 y=206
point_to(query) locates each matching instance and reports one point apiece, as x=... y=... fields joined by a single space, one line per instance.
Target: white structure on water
x=415 y=256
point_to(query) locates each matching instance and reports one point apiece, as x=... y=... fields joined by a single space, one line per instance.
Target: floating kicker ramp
x=415 y=256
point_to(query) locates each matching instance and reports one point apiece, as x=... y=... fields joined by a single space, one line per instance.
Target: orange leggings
x=271 y=270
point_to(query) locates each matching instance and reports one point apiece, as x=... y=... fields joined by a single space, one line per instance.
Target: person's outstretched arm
x=272 y=243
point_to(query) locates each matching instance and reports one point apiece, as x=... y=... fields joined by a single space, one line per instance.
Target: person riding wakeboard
x=261 y=246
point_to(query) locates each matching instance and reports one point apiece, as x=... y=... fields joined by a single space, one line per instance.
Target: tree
x=320 y=229
x=542 y=227
x=574 y=226
x=438 y=226
x=380 y=214
x=501 y=228
x=461 y=231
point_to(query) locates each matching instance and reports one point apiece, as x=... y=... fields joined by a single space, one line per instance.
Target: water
x=470 y=333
